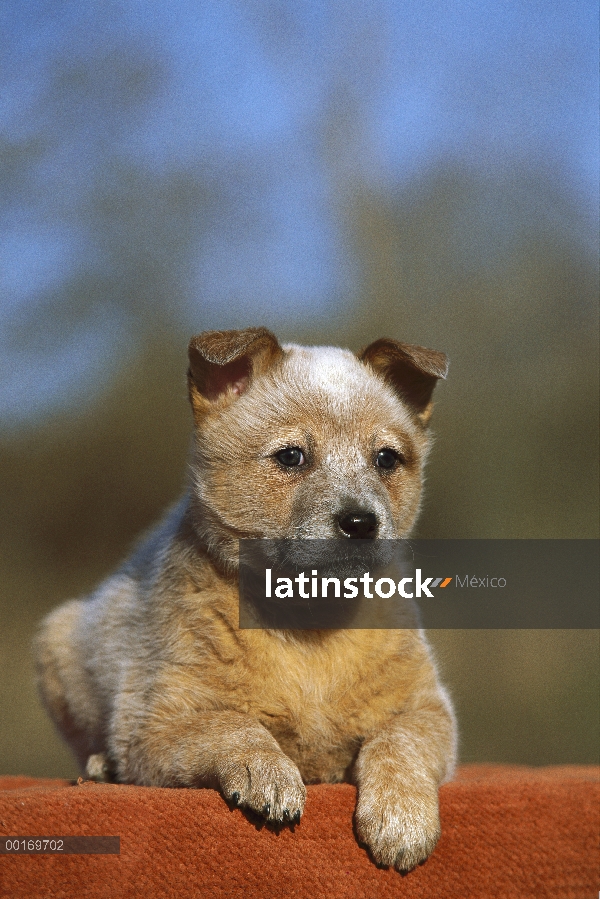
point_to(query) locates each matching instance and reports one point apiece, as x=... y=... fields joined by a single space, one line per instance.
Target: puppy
x=151 y=681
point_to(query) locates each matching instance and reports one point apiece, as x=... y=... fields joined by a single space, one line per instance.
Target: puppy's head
x=310 y=442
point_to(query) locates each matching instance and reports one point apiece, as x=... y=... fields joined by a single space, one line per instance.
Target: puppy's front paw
x=265 y=781
x=399 y=829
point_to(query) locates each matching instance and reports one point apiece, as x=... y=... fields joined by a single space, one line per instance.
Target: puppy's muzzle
x=358 y=524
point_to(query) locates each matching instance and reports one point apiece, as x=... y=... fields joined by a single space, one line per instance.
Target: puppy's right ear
x=223 y=363
x=412 y=371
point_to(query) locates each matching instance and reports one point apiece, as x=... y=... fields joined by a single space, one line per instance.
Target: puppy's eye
x=388 y=459
x=291 y=457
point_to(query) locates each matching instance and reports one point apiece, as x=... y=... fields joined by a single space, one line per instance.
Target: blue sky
x=243 y=92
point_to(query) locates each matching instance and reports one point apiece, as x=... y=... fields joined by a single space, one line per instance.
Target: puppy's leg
x=64 y=683
x=229 y=750
x=98 y=768
x=398 y=771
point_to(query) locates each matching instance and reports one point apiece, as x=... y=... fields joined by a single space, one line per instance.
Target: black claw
x=296 y=818
x=266 y=809
x=286 y=815
x=235 y=798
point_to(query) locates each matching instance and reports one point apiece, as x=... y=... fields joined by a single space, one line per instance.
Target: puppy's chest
x=319 y=722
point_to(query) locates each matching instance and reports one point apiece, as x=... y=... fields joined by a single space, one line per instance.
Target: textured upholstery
x=507 y=832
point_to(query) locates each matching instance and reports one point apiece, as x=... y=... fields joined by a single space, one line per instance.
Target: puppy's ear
x=412 y=371
x=222 y=364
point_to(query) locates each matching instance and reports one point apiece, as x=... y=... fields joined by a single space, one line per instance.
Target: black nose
x=358 y=524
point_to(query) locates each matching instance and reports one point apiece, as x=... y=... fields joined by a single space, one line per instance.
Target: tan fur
x=150 y=679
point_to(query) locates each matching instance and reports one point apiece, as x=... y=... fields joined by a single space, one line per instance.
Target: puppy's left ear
x=223 y=363
x=412 y=371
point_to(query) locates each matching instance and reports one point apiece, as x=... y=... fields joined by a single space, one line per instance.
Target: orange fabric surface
x=506 y=832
